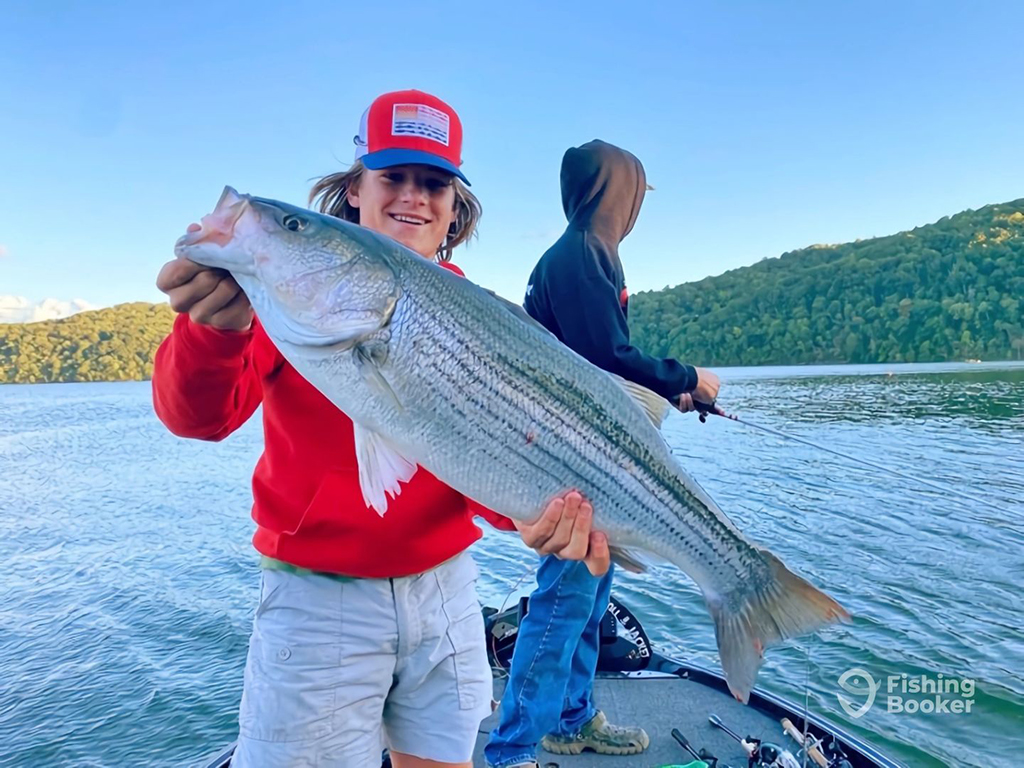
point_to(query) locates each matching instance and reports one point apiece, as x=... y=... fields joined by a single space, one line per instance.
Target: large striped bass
x=437 y=372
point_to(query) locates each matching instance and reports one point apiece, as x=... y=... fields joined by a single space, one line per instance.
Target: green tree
x=115 y=344
x=944 y=291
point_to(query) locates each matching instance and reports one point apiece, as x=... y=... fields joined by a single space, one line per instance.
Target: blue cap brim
x=386 y=158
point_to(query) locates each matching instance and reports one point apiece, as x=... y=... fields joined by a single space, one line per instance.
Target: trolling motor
x=760 y=754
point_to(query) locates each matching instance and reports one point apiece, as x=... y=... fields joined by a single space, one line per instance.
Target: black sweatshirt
x=578 y=291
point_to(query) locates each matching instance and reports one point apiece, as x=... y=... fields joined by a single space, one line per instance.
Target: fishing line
x=494 y=641
x=503 y=672
x=716 y=411
x=807 y=702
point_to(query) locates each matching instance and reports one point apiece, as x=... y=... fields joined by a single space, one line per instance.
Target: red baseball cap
x=406 y=127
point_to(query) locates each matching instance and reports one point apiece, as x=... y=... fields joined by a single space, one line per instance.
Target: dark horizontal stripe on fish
x=682 y=524
x=653 y=474
x=502 y=380
x=483 y=398
x=568 y=410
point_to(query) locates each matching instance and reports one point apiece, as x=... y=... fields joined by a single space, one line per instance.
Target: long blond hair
x=330 y=194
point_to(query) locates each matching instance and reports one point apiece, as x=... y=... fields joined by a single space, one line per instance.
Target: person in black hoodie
x=578 y=292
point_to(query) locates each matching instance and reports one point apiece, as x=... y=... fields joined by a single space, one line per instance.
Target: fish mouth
x=218 y=241
x=218 y=227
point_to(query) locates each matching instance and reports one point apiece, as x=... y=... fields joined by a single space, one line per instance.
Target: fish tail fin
x=784 y=607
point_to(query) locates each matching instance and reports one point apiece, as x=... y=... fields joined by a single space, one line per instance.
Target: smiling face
x=414 y=204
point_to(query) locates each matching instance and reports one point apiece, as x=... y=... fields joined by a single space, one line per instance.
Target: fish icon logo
x=850 y=681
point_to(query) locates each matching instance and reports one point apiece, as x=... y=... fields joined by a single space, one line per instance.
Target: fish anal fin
x=382 y=469
x=629 y=559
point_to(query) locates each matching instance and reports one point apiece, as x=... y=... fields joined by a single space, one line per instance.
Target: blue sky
x=763 y=126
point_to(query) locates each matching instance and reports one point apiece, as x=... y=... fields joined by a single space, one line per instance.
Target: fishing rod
x=825 y=756
x=808 y=742
x=760 y=754
x=703 y=758
x=705 y=410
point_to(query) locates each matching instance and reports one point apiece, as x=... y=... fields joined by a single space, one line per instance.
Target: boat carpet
x=659 y=704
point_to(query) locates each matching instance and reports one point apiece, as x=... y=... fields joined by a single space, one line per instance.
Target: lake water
x=129 y=582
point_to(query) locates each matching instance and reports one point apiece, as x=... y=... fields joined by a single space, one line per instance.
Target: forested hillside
x=952 y=290
x=115 y=344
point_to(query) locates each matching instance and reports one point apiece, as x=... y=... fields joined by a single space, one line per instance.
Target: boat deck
x=660 y=704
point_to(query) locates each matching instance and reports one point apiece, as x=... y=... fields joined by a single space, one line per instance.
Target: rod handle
x=812 y=752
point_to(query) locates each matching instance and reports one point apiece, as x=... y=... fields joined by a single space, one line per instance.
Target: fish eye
x=294 y=223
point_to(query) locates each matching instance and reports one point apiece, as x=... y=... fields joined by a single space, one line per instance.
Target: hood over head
x=603 y=188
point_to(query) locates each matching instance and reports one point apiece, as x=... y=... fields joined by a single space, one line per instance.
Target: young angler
x=368 y=631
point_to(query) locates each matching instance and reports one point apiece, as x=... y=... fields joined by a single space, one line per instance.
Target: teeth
x=406 y=219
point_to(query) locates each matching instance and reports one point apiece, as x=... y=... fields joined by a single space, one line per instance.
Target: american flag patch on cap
x=419 y=120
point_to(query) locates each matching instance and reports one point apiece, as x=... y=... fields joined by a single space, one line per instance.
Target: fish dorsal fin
x=654 y=405
x=382 y=468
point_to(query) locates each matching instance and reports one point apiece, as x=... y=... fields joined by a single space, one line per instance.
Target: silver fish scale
x=515 y=418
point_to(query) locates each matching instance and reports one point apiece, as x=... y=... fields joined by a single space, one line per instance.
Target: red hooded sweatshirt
x=307 y=502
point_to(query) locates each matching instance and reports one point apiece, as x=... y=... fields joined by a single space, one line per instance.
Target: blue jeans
x=551 y=682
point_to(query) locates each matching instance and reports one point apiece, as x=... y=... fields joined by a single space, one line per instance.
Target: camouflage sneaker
x=599 y=736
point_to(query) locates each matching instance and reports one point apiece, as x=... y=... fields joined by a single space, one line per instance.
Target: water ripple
x=127 y=598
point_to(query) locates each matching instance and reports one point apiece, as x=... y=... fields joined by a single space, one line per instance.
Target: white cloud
x=18 y=309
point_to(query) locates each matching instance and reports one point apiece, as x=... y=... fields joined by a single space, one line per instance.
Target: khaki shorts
x=338 y=669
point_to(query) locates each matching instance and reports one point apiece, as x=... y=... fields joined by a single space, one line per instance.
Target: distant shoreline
x=736 y=373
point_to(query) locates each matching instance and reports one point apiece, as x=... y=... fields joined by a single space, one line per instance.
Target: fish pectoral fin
x=654 y=405
x=629 y=559
x=381 y=468
x=368 y=357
